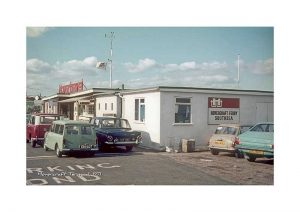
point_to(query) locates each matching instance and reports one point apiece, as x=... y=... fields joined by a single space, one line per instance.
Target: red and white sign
x=223 y=110
x=71 y=88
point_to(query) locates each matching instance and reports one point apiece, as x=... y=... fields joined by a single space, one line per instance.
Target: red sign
x=214 y=102
x=71 y=88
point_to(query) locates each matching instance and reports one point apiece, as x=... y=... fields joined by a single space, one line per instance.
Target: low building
x=165 y=115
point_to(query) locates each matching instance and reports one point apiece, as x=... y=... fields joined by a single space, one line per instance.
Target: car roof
x=106 y=117
x=228 y=125
x=71 y=122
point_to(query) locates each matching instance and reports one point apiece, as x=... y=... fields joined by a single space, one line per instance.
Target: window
x=56 y=129
x=91 y=109
x=72 y=130
x=183 y=110
x=61 y=129
x=112 y=106
x=86 y=130
x=139 y=110
x=105 y=106
x=99 y=106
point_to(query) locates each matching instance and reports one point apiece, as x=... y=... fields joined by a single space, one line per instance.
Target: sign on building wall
x=71 y=88
x=223 y=110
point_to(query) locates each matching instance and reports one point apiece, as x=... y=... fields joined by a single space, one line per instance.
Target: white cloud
x=263 y=66
x=142 y=65
x=47 y=77
x=36 y=31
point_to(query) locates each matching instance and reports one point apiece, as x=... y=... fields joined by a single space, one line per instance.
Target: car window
x=61 y=130
x=97 y=122
x=259 y=128
x=108 y=123
x=48 y=119
x=32 y=120
x=226 y=130
x=244 y=129
x=52 y=127
x=86 y=130
x=270 y=128
x=72 y=130
x=56 y=129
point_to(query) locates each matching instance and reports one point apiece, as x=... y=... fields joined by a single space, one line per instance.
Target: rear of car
x=224 y=139
x=67 y=137
x=38 y=125
x=258 y=142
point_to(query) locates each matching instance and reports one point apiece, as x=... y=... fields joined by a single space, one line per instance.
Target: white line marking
x=40 y=157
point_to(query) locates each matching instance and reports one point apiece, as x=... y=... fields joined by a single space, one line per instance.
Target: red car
x=37 y=126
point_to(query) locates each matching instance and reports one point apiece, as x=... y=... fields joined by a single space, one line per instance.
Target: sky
x=150 y=56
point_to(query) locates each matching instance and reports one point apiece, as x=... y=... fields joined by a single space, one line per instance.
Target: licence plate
x=256 y=152
x=220 y=142
x=85 y=146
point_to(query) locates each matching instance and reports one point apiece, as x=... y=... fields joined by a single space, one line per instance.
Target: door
x=264 y=112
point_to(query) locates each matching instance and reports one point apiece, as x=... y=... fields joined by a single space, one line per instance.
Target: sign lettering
x=223 y=110
x=71 y=88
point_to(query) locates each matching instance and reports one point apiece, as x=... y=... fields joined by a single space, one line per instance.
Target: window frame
x=141 y=102
x=183 y=103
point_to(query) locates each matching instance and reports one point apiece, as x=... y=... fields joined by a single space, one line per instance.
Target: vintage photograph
x=149 y=105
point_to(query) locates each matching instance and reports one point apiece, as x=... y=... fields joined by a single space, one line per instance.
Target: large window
x=139 y=110
x=183 y=110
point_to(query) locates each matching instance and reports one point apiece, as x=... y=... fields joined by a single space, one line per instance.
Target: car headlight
x=109 y=138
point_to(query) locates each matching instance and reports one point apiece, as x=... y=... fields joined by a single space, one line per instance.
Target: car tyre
x=129 y=148
x=58 y=152
x=250 y=158
x=33 y=143
x=46 y=148
x=214 y=152
x=238 y=154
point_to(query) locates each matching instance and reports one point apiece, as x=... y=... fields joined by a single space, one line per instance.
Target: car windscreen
x=48 y=119
x=115 y=123
x=226 y=130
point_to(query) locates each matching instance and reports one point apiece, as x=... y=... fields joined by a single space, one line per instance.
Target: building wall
x=199 y=129
x=109 y=101
x=151 y=126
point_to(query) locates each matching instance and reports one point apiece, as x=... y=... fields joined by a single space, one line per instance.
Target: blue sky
x=150 y=56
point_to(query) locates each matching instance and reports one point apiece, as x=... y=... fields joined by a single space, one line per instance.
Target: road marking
x=40 y=157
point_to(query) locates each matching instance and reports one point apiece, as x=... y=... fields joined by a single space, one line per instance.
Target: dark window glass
x=136 y=110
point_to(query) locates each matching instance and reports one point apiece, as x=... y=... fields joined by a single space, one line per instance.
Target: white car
x=225 y=138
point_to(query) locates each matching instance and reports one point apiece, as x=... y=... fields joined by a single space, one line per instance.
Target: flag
x=101 y=65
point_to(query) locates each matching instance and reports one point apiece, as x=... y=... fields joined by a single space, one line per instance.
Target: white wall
x=116 y=101
x=151 y=126
x=199 y=129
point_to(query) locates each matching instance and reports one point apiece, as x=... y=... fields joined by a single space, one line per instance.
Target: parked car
x=258 y=142
x=38 y=124
x=111 y=131
x=225 y=138
x=67 y=136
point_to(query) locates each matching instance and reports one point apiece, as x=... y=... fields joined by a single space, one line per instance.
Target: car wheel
x=33 y=143
x=58 y=152
x=214 y=152
x=129 y=148
x=250 y=158
x=238 y=154
x=46 y=148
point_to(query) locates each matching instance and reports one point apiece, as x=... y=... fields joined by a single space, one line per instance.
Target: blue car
x=112 y=132
x=257 y=142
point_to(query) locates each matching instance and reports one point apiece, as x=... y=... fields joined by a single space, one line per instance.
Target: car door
x=87 y=135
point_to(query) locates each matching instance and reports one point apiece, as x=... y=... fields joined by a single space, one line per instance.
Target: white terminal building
x=165 y=114
x=168 y=114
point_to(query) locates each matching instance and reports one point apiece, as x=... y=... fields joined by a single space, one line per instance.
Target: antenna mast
x=111 y=36
x=238 y=67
